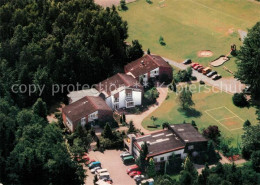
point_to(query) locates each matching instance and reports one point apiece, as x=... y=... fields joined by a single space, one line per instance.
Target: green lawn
x=191 y=25
x=205 y=101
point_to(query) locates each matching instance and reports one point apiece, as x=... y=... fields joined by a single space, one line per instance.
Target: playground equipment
x=161 y=4
x=223 y=58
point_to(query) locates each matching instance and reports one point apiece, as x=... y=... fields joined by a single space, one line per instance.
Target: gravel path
x=229 y=85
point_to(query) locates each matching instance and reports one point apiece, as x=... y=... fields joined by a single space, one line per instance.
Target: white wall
x=166 y=155
x=137 y=97
x=69 y=123
x=109 y=102
x=154 y=72
x=93 y=116
x=122 y=99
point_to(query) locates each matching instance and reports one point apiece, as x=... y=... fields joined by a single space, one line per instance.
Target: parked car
x=194 y=64
x=210 y=74
x=105 y=175
x=200 y=69
x=134 y=173
x=197 y=66
x=95 y=169
x=125 y=155
x=128 y=160
x=216 y=77
x=101 y=171
x=132 y=168
x=206 y=70
x=94 y=164
x=187 y=61
x=138 y=177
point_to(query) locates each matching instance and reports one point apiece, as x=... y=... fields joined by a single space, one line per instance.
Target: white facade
x=165 y=156
x=125 y=100
x=69 y=123
x=93 y=116
x=154 y=72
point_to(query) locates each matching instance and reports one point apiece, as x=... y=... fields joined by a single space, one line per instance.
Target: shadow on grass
x=190 y=112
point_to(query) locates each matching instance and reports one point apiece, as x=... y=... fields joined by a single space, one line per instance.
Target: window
x=191 y=147
x=129 y=94
x=162 y=159
x=116 y=99
x=83 y=120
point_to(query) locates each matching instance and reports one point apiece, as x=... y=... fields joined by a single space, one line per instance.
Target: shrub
x=161 y=41
x=239 y=100
x=202 y=82
x=193 y=78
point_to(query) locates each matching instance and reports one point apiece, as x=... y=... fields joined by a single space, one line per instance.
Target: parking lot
x=111 y=161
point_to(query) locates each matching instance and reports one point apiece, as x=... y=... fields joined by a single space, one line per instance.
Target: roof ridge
x=123 y=78
x=153 y=60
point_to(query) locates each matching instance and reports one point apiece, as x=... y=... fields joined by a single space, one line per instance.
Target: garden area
x=187 y=27
x=211 y=107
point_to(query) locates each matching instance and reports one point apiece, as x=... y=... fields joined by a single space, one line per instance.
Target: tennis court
x=226 y=118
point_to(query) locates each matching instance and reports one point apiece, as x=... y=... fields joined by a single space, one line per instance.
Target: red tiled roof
x=145 y=64
x=84 y=107
x=115 y=82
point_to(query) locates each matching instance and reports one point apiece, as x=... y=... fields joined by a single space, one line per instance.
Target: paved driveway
x=138 y=118
x=109 y=3
x=111 y=160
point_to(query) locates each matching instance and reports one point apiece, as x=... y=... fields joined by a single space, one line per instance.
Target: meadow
x=190 y=26
x=212 y=107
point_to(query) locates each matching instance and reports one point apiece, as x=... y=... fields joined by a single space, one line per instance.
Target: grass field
x=190 y=26
x=211 y=108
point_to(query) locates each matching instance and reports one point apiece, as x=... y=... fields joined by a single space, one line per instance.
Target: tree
x=185 y=98
x=186 y=178
x=173 y=86
x=189 y=71
x=202 y=179
x=124 y=119
x=165 y=125
x=255 y=158
x=142 y=161
x=131 y=128
x=248 y=60
x=250 y=141
x=123 y=5
x=247 y=124
x=98 y=143
x=212 y=132
x=164 y=180
x=135 y=51
x=151 y=172
x=40 y=108
x=107 y=132
x=174 y=165
x=189 y=167
x=121 y=119
x=148 y=51
x=211 y=153
x=153 y=119
x=239 y=100
x=161 y=41
x=193 y=123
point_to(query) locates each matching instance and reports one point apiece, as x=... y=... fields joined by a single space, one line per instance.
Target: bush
x=202 y=82
x=151 y=95
x=183 y=75
x=161 y=41
x=239 y=100
x=193 y=78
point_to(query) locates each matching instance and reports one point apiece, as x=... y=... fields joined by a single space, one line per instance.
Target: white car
x=95 y=169
x=141 y=177
x=124 y=154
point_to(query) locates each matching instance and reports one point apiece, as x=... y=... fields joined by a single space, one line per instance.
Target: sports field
x=189 y=26
x=212 y=107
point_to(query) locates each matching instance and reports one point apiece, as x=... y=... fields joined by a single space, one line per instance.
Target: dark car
x=210 y=74
x=187 y=61
x=216 y=77
x=200 y=69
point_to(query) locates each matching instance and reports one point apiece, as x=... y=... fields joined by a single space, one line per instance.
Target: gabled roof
x=117 y=83
x=85 y=106
x=145 y=64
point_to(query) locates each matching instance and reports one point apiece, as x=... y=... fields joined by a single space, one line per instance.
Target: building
x=148 y=66
x=85 y=110
x=121 y=91
x=179 y=139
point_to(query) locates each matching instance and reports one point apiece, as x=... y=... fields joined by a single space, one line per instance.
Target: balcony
x=129 y=101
